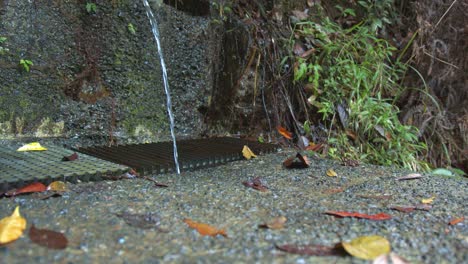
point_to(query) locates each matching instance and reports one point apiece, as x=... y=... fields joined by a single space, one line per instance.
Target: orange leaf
x=380 y=216
x=205 y=229
x=291 y=163
x=457 y=220
x=284 y=132
x=33 y=187
x=314 y=147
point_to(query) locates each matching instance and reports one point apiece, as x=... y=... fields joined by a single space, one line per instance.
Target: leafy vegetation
x=2 y=49
x=26 y=64
x=352 y=83
x=91 y=8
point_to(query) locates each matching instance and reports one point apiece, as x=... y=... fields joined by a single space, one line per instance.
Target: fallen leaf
x=34 y=146
x=72 y=157
x=367 y=247
x=410 y=176
x=205 y=229
x=308 y=52
x=351 y=134
x=380 y=216
x=379 y=197
x=161 y=185
x=12 y=227
x=403 y=209
x=333 y=190
x=428 y=200
x=248 y=154
x=301 y=162
x=33 y=187
x=331 y=173
x=312 y=250
x=256 y=184
x=144 y=221
x=275 y=223
x=314 y=147
x=57 y=186
x=47 y=194
x=284 y=132
x=47 y=238
x=457 y=220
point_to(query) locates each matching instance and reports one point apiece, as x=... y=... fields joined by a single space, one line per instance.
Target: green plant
x=2 y=49
x=351 y=79
x=131 y=28
x=26 y=64
x=91 y=8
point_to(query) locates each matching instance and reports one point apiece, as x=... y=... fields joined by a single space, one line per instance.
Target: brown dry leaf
x=390 y=259
x=333 y=190
x=275 y=223
x=205 y=229
x=58 y=186
x=256 y=184
x=248 y=154
x=47 y=238
x=312 y=250
x=301 y=163
x=367 y=247
x=12 y=227
x=72 y=157
x=331 y=173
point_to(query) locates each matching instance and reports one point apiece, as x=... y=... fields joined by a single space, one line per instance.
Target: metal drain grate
x=22 y=168
x=193 y=154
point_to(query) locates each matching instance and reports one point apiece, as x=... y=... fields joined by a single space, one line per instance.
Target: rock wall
x=95 y=70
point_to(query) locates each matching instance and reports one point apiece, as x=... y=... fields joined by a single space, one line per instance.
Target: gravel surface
x=132 y=221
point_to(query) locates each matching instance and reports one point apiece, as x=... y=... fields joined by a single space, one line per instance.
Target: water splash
x=154 y=28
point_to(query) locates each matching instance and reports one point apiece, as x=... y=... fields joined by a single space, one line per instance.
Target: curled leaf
x=34 y=146
x=256 y=184
x=248 y=154
x=205 y=229
x=58 y=186
x=47 y=238
x=297 y=162
x=275 y=223
x=284 y=132
x=410 y=176
x=331 y=173
x=12 y=227
x=367 y=247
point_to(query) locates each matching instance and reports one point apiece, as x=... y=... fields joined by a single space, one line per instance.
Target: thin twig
x=448 y=9
x=445 y=62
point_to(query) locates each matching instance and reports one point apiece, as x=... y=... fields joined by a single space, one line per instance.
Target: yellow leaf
x=248 y=154
x=12 y=227
x=428 y=200
x=331 y=173
x=367 y=247
x=34 y=146
x=58 y=186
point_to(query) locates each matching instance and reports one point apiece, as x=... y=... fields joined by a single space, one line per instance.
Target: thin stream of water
x=154 y=28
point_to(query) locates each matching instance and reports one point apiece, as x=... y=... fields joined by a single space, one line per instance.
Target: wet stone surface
x=132 y=221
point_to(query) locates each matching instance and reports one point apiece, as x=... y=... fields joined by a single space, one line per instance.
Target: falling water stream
x=154 y=28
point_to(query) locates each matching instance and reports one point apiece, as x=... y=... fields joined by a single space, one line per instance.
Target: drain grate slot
x=158 y=158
